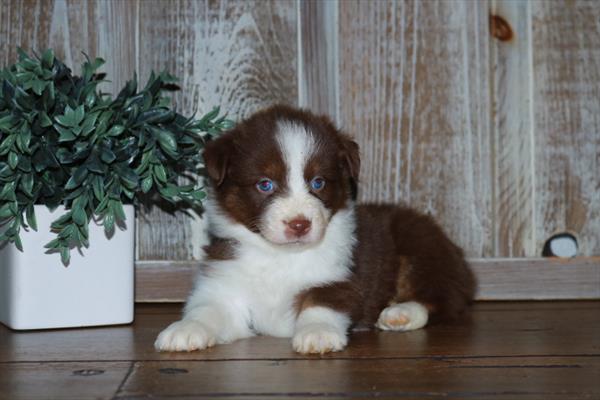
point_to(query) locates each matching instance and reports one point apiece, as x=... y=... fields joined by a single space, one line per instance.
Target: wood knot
x=500 y=28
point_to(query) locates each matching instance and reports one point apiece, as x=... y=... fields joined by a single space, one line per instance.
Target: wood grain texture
x=566 y=64
x=239 y=55
x=496 y=330
x=76 y=381
x=538 y=279
x=540 y=350
x=164 y=281
x=318 y=57
x=512 y=129
x=72 y=28
x=498 y=279
x=422 y=123
x=566 y=378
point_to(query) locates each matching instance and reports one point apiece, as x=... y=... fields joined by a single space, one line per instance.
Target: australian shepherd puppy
x=292 y=255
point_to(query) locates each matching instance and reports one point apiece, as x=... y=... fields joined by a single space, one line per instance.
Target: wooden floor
x=528 y=350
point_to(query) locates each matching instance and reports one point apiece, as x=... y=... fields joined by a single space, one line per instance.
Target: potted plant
x=74 y=163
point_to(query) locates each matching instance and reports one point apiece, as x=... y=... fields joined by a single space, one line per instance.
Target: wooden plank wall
x=485 y=114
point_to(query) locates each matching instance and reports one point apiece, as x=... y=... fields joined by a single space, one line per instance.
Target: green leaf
x=13 y=160
x=8 y=191
x=89 y=123
x=169 y=192
x=38 y=86
x=7 y=144
x=129 y=177
x=67 y=119
x=48 y=58
x=5 y=211
x=166 y=140
x=45 y=121
x=107 y=155
x=98 y=188
x=60 y=222
x=117 y=209
x=77 y=179
x=6 y=123
x=109 y=222
x=79 y=216
x=66 y=135
x=64 y=156
x=214 y=113
x=159 y=172
x=65 y=255
x=18 y=243
x=30 y=215
x=27 y=184
x=116 y=130
x=78 y=115
x=53 y=244
x=147 y=184
x=102 y=206
x=24 y=138
x=198 y=195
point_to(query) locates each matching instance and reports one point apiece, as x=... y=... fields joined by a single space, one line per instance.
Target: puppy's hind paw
x=185 y=336
x=319 y=339
x=403 y=317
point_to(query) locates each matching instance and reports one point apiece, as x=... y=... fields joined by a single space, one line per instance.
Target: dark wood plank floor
x=532 y=350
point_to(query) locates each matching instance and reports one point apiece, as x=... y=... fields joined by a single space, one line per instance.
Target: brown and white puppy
x=293 y=256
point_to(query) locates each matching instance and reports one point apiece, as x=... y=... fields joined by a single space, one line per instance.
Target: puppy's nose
x=299 y=226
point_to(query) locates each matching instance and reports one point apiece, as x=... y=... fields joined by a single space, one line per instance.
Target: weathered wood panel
x=566 y=74
x=98 y=28
x=495 y=136
x=414 y=92
x=512 y=129
x=239 y=55
x=318 y=63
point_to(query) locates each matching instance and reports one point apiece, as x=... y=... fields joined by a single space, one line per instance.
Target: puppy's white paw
x=403 y=317
x=185 y=336
x=319 y=339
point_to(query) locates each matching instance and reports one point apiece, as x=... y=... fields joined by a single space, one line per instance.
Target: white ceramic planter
x=97 y=288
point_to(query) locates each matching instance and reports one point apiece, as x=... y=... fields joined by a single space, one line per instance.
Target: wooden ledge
x=499 y=279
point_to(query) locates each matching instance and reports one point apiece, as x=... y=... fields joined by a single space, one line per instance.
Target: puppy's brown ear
x=351 y=156
x=216 y=159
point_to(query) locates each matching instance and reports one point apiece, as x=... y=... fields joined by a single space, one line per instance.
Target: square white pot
x=97 y=288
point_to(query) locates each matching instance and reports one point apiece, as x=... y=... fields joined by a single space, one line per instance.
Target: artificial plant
x=63 y=142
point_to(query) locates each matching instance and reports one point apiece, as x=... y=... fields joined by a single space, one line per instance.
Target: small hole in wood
x=562 y=245
x=171 y=371
x=88 y=372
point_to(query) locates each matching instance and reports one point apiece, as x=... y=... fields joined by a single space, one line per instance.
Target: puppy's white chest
x=271 y=290
x=271 y=287
x=272 y=311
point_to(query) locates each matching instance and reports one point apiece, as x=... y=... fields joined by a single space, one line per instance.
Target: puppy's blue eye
x=265 y=185
x=317 y=183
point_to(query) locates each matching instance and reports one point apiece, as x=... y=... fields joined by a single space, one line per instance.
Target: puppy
x=291 y=254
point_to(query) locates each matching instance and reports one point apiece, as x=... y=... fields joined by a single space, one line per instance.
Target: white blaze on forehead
x=296 y=144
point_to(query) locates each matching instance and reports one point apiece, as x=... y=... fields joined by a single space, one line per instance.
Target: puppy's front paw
x=319 y=339
x=185 y=336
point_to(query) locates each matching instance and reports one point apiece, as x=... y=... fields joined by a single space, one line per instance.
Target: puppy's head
x=283 y=173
